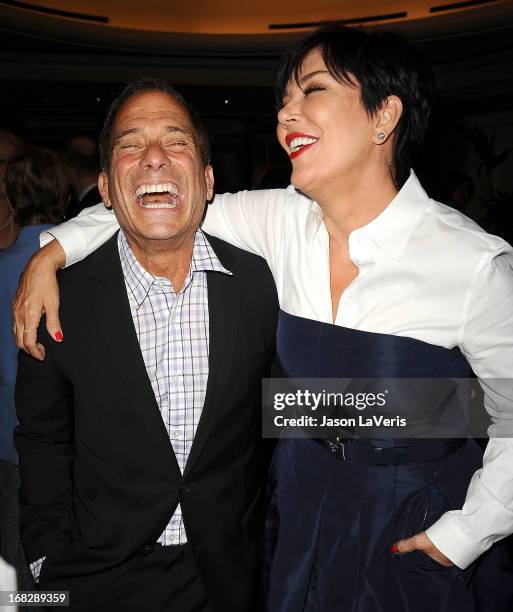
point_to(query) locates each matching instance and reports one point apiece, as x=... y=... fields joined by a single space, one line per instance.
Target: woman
x=38 y=189
x=374 y=280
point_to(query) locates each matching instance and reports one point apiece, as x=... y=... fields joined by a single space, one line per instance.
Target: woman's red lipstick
x=290 y=137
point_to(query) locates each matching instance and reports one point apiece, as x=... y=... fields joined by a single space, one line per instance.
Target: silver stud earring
x=381 y=135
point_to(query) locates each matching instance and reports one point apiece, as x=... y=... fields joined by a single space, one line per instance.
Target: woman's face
x=324 y=129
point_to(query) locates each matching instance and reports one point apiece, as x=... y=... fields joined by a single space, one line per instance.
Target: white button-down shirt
x=425 y=272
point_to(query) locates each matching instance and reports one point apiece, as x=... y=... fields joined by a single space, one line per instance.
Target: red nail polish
x=58 y=336
x=394 y=549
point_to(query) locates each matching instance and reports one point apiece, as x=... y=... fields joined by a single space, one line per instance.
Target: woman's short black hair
x=38 y=186
x=142 y=86
x=382 y=64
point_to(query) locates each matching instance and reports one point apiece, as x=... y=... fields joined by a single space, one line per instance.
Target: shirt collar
x=391 y=229
x=140 y=281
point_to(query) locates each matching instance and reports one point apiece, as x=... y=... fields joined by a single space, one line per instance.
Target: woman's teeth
x=297 y=143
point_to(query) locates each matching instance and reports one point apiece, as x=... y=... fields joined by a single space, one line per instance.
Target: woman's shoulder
x=462 y=234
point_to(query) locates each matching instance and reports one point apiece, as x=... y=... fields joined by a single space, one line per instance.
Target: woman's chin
x=302 y=182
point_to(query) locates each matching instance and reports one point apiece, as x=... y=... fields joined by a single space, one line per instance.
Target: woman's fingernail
x=394 y=549
x=58 y=336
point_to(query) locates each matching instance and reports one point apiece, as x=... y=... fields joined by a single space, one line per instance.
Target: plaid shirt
x=173 y=333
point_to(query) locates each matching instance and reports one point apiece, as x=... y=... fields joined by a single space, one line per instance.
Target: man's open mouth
x=158 y=195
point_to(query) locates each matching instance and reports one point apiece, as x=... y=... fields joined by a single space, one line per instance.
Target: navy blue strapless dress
x=330 y=523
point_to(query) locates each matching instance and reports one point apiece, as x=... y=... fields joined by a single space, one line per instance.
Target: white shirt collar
x=391 y=229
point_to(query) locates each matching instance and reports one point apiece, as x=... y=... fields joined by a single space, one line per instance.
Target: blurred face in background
x=7 y=150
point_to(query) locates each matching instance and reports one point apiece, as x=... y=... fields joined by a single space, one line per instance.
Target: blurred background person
x=38 y=188
x=10 y=144
x=81 y=156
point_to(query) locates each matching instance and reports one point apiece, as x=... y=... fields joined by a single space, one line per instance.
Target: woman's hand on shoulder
x=38 y=293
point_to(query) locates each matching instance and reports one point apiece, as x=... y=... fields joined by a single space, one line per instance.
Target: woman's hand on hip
x=420 y=541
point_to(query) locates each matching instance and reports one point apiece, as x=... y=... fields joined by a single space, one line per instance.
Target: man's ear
x=387 y=118
x=103 y=188
x=209 y=180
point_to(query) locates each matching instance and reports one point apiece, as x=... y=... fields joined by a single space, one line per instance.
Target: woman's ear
x=387 y=118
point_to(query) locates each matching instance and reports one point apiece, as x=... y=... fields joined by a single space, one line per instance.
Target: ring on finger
x=29 y=331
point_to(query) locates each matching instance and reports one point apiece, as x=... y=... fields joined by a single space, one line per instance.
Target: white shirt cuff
x=462 y=538
x=70 y=239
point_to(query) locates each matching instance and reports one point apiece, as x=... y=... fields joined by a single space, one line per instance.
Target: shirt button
x=176 y=434
x=174 y=378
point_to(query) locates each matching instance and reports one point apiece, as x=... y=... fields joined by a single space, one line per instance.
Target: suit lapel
x=224 y=295
x=127 y=374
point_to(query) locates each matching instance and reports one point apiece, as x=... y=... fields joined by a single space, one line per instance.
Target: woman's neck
x=355 y=202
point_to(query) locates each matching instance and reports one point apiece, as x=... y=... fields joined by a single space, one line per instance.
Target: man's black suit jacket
x=99 y=477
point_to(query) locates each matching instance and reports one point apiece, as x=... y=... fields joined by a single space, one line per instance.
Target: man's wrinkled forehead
x=149 y=108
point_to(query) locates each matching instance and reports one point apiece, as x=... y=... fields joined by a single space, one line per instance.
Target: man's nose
x=154 y=157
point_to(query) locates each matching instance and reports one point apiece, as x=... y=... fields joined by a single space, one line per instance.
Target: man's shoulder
x=96 y=265
x=232 y=256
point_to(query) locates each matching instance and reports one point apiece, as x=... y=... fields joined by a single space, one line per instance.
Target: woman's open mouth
x=298 y=143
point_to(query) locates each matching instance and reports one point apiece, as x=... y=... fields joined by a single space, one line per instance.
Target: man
x=81 y=156
x=138 y=434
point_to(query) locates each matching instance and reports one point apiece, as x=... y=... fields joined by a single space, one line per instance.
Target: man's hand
x=38 y=293
x=421 y=542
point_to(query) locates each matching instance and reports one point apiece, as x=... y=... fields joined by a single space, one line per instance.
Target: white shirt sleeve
x=83 y=234
x=7 y=577
x=251 y=220
x=487 y=342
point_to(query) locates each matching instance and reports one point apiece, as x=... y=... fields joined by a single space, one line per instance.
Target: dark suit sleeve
x=44 y=440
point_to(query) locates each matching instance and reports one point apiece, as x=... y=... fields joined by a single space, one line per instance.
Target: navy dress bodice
x=330 y=523
x=311 y=349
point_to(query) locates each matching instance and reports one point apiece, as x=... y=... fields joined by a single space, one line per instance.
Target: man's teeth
x=157 y=188
x=297 y=143
x=159 y=205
